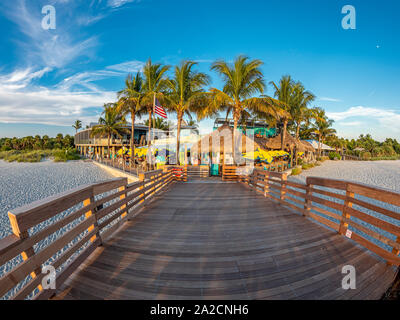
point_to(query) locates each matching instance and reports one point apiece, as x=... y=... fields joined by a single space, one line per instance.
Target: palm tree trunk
x=109 y=151
x=236 y=115
x=178 y=136
x=133 y=137
x=285 y=123
x=319 y=145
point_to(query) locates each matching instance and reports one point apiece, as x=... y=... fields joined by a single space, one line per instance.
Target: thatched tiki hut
x=219 y=145
x=291 y=145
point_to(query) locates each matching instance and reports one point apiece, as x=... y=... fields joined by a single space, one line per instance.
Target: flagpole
x=154 y=115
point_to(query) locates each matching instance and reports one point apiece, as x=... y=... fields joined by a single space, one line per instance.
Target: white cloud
x=119 y=3
x=381 y=123
x=329 y=99
x=27 y=103
x=130 y=66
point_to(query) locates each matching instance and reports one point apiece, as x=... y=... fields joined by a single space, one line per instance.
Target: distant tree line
x=37 y=143
x=365 y=146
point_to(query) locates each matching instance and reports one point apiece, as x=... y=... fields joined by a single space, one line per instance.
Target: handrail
x=72 y=224
x=368 y=215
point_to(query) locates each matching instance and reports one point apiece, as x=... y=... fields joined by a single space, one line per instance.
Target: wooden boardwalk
x=224 y=241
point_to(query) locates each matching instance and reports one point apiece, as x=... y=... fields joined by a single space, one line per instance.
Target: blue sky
x=49 y=78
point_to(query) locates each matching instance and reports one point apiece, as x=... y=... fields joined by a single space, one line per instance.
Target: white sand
x=384 y=174
x=23 y=183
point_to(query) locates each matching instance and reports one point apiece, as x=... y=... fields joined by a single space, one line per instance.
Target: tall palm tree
x=284 y=93
x=77 y=125
x=131 y=100
x=322 y=126
x=112 y=124
x=299 y=111
x=243 y=80
x=154 y=85
x=184 y=89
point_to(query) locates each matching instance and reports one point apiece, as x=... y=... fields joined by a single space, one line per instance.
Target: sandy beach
x=385 y=174
x=23 y=183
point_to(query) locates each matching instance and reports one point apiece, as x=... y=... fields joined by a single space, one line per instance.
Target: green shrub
x=307 y=166
x=296 y=171
x=317 y=164
x=366 y=155
x=334 y=156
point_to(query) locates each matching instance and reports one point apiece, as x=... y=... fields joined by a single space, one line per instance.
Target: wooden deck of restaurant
x=203 y=240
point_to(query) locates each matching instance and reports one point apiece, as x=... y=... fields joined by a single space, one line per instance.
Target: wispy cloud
x=66 y=101
x=119 y=3
x=329 y=99
x=382 y=122
x=27 y=103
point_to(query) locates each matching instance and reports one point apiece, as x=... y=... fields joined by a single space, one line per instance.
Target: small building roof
x=315 y=144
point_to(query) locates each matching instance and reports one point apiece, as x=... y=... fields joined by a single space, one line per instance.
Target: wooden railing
x=229 y=173
x=180 y=172
x=63 y=230
x=201 y=171
x=370 y=216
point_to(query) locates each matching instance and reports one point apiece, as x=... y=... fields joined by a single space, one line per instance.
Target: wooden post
x=24 y=234
x=123 y=196
x=141 y=179
x=266 y=184
x=88 y=215
x=283 y=186
x=345 y=214
x=308 y=202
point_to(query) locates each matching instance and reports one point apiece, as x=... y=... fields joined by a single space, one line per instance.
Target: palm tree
x=154 y=86
x=243 y=80
x=299 y=111
x=322 y=126
x=284 y=93
x=192 y=123
x=159 y=123
x=112 y=124
x=131 y=100
x=77 y=125
x=183 y=93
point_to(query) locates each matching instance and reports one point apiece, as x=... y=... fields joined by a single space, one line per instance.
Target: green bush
x=296 y=171
x=39 y=155
x=334 y=156
x=317 y=164
x=366 y=155
x=307 y=166
x=65 y=155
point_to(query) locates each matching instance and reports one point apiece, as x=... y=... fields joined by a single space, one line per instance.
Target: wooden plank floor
x=224 y=241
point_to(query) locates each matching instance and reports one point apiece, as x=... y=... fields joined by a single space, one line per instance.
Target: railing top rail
x=378 y=193
x=29 y=215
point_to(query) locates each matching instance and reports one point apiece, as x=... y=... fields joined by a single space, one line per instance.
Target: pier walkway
x=172 y=235
x=215 y=240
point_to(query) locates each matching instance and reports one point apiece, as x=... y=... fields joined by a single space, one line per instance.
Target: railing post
x=24 y=234
x=141 y=179
x=123 y=196
x=88 y=214
x=345 y=214
x=308 y=202
x=266 y=184
x=283 y=186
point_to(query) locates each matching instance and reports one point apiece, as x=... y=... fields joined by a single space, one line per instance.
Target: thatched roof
x=290 y=142
x=220 y=140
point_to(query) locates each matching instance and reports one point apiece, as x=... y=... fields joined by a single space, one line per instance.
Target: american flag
x=158 y=109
